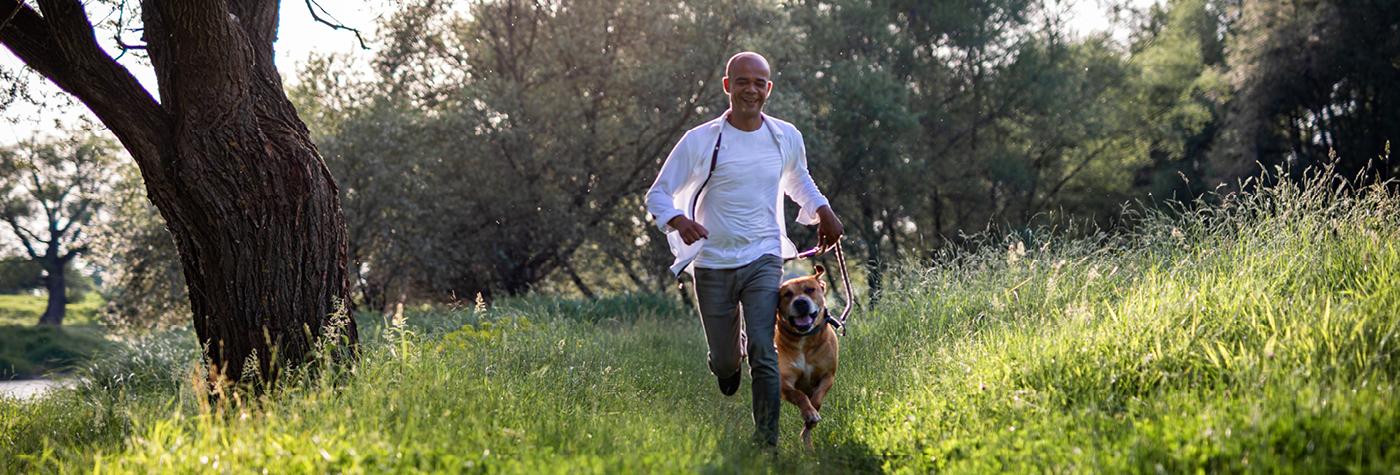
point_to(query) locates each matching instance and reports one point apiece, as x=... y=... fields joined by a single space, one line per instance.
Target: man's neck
x=746 y=124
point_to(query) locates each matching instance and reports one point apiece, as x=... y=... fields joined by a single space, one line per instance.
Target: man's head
x=747 y=81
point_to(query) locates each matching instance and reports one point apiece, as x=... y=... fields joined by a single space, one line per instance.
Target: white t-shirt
x=739 y=207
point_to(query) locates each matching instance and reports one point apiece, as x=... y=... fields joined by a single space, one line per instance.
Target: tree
x=253 y=210
x=19 y=274
x=49 y=193
x=142 y=284
x=496 y=146
x=1179 y=91
x=1311 y=80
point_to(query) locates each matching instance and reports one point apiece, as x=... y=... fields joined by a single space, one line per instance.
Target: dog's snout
x=802 y=306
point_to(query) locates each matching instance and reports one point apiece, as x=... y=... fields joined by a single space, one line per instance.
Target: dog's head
x=801 y=301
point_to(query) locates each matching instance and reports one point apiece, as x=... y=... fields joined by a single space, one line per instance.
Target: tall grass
x=1257 y=333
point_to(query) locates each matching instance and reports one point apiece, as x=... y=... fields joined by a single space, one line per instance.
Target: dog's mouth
x=804 y=323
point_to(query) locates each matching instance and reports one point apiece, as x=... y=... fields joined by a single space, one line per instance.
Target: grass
x=25 y=309
x=28 y=351
x=1256 y=334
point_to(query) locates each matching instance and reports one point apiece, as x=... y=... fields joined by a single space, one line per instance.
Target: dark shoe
x=729 y=386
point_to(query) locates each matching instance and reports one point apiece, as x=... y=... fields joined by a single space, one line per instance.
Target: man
x=731 y=174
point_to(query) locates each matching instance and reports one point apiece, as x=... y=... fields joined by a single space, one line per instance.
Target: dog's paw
x=811 y=417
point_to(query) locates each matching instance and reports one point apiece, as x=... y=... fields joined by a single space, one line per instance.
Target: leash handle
x=845 y=282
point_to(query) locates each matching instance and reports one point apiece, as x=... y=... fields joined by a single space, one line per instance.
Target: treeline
x=502 y=146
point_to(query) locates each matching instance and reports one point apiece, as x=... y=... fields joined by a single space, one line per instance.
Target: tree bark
x=253 y=210
x=57 y=286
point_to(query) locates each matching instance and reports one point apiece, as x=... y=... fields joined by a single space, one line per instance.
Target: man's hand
x=829 y=229
x=690 y=230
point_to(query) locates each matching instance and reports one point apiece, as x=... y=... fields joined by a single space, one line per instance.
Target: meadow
x=1252 y=333
x=28 y=351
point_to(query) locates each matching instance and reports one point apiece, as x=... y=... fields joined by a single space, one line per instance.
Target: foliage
x=494 y=146
x=144 y=287
x=20 y=274
x=1312 y=80
x=504 y=150
x=1256 y=334
x=50 y=190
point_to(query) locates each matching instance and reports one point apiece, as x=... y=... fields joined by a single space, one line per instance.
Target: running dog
x=807 y=348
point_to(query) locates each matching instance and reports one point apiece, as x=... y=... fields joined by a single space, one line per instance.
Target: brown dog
x=807 y=347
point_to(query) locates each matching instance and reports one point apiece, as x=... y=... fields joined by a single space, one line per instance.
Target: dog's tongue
x=802 y=321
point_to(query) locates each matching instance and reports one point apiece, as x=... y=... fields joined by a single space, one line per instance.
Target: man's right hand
x=690 y=230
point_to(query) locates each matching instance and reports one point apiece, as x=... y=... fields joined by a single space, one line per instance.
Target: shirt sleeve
x=659 y=200
x=797 y=183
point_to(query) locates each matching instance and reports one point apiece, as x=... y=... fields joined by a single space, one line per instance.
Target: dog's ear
x=818 y=270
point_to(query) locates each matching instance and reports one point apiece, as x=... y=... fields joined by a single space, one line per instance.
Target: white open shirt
x=688 y=165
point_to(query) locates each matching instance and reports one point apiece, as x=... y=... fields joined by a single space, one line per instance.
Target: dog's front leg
x=799 y=399
x=810 y=416
x=820 y=392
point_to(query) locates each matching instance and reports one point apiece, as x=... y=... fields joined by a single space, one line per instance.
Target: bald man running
x=731 y=174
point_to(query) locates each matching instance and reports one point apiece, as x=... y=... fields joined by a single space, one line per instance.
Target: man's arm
x=660 y=205
x=674 y=171
x=816 y=209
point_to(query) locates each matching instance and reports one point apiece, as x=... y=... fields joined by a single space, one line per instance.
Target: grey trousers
x=737 y=309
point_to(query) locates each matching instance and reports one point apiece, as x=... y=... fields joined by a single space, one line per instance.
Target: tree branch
x=37 y=192
x=312 y=5
x=9 y=15
x=21 y=232
x=78 y=247
x=61 y=46
x=117 y=35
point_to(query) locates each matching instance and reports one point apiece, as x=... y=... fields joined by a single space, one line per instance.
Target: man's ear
x=817 y=271
x=725 y=82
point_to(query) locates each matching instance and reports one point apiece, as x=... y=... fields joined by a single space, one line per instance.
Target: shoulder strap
x=714 y=161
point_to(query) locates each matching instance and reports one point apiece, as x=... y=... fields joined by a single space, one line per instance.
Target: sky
x=300 y=35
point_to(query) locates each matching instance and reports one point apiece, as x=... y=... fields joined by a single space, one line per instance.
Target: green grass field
x=28 y=351
x=1256 y=335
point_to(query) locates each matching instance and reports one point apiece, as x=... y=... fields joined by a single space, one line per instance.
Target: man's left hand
x=829 y=229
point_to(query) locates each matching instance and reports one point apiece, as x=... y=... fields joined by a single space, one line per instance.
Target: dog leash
x=840 y=322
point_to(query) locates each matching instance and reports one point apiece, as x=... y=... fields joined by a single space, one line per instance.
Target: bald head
x=746 y=59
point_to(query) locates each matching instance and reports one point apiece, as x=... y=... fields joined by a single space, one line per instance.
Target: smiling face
x=801 y=300
x=747 y=81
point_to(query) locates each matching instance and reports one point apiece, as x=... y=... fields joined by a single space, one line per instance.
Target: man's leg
x=758 y=291
x=719 y=315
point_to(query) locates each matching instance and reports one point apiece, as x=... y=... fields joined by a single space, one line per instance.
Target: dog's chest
x=800 y=362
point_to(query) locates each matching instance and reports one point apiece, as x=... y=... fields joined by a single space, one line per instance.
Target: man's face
x=747 y=84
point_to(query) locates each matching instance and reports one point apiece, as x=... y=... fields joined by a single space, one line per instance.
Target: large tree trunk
x=57 y=287
x=251 y=205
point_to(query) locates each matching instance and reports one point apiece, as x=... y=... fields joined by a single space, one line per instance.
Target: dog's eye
x=785 y=294
x=809 y=290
